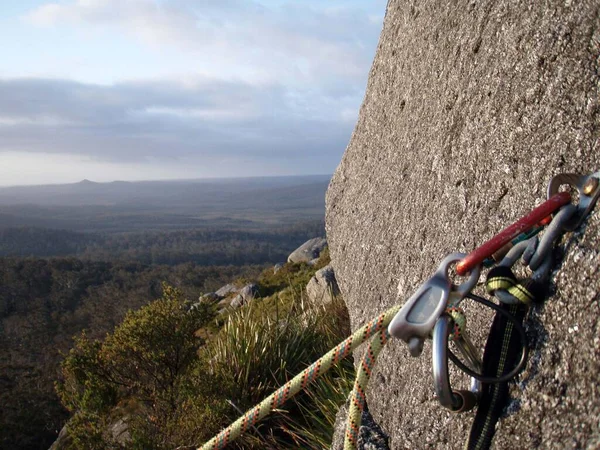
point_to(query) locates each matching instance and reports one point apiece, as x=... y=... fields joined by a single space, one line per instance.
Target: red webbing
x=508 y=234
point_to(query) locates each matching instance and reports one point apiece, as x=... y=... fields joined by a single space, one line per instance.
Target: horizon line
x=86 y=180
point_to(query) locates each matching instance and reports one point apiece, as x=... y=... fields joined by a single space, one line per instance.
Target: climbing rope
x=459 y=321
x=306 y=377
x=358 y=396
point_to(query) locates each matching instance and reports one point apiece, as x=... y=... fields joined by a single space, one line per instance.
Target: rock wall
x=471 y=107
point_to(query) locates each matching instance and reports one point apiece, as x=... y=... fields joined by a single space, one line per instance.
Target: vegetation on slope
x=43 y=303
x=176 y=375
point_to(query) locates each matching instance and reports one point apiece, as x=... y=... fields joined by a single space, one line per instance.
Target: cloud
x=291 y=41
x=276 y=84
x=138 y=121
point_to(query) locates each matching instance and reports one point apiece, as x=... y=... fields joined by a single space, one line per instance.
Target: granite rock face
x=470 y=109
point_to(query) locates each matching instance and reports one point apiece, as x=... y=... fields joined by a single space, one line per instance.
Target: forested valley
x=57 y=280
x=45 y=303
x=204 y=246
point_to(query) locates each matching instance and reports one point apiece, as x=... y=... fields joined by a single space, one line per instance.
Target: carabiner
x=415 y=321
x=456 y=401
x=561 y=222
x=588 y=187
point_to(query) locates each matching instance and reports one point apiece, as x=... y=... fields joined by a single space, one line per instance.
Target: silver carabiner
x=561 y=222
x=415 y=321
x=456 y=401
x=588 y=187
x=537 y=254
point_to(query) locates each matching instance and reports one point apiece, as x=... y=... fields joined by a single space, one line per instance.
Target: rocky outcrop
x=308 y=251
x=227 y=290
x=212 y=297
x=246 y=294
x=471 y=107
x=118 y=432
x=323 y=287
x=277 y=267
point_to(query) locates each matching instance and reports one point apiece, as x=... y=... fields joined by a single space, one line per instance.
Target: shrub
x=145 y=362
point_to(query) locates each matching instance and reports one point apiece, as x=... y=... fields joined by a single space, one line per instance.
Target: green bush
x=145 y=362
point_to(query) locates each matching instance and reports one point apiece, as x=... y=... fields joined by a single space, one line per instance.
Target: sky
x=161 y=89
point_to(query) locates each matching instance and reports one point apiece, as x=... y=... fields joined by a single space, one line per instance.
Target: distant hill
x=108 y=247
x=130 y=206
x=182 y=192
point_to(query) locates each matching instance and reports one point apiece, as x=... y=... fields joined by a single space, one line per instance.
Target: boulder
x=206 y=299
x=209 y=298
x=277 y=267
x=308 y=251
x=470 y=109
x=117 y=432
x=322 y=287
x=223 y=304
x=227 y=290
x=246 y=294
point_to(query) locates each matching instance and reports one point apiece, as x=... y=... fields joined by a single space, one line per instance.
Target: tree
x=143 y=363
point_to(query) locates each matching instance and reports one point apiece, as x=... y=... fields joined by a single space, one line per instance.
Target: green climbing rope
x=306 y=377
x=357 y=398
